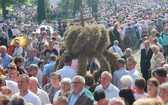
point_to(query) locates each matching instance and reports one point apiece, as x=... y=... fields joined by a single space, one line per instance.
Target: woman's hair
x=127 y=94
x=99 y=94
x=148 y=101
x=126 y=80
x=153 y=81
x=18 y=59
x=89 y=80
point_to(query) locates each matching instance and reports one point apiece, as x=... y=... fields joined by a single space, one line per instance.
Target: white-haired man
x=78 y=96
x=110 y=90
x=33 y=86
x=116 y=49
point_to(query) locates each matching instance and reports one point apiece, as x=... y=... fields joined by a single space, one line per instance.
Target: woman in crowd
x=127 y=81
x=54 y=86
x=19 y=63
x=157 y=57
x=152 y=87
x=64 y=88
x=155 y=42
x=127 y=95
x=164 y=93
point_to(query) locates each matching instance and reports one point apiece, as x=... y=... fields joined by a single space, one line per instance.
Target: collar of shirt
x=122 y=68
x=79 y=94
x=109 y=87
x=131 y=71
x=38 y=91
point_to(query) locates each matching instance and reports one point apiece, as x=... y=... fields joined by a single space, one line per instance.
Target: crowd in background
x=28 y=54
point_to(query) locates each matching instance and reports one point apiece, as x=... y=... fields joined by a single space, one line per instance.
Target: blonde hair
x=148 y=101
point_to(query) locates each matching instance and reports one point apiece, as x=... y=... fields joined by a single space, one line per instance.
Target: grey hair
x=18 y=100
x=62 y=99
x=129 y=49
x=80 y=78
x=34 y=78
x=33 y=67
x=126 y=80
x=66 y=80
x=155 y=46
x=107 y=73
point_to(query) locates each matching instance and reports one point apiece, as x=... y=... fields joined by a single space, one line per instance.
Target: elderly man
x=116 y=49
x=5 y=57
x=110 y=90
x=43 y=96
x=164 y=93
x=78 y=96
x=23 y=85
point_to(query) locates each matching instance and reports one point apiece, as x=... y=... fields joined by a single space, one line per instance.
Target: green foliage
x=91 y=2
x=41 y=11
x=77 y=5
x=66 y=4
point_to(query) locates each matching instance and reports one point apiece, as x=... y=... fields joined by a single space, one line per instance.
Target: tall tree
x=77 y=5
x=91 y=2
x=5 y=3
x=41 y=11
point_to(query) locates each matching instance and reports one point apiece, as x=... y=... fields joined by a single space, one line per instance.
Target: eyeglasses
x=11 y=68
x=76 y=83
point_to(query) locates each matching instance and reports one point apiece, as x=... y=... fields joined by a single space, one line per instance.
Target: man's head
x=115 y=42
x=164 y=92
x=78 y=84
x=4 y=100
x=126 y=81
x=3 y=50
x=62 y=100
x=53 y=57
x=32 y=53
x=33 y=69
x=131 y=63
x=147 y=44
x=18 y=100
x=67 y=60
x=51 y=44
x=106 y=79
x=160 y=74
x=120 y=62
x=23 y=82
x=140 y=83
x=33 y=86
x=116 y=101
x=12 y=69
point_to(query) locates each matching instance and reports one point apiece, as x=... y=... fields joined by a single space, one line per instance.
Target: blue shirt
x=89 y=93
x=74 y=97
x=28 y=62
x=48 y=69
x=6 y=60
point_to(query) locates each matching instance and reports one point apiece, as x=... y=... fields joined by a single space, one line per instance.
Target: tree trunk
x=41 y=11
x=3 y=8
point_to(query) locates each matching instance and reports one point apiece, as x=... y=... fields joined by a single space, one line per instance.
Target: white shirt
x=39 y=76
x=67 y=72
x=133 y=74
x=56 y=95
x=15 y=32
x=111 y=91
x=116 y=49
x=18 y=52
x=138 y=96
x=12 y=85
x=117 y=76
x=43 y=96
x=30 y=98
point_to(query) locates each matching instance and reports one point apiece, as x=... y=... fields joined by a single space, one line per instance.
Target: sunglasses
x=11 y=68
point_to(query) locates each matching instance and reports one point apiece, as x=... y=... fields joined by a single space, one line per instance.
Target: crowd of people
x=27 y=68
